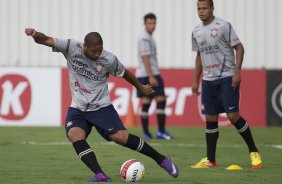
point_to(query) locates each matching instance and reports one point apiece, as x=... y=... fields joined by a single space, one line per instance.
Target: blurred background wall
x=257 y=22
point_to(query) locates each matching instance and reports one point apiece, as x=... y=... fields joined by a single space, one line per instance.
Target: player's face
x=205 y=11
x=150 y=25
x=93 y=52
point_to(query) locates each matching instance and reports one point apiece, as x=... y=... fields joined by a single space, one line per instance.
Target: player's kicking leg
x=133 y=142
x=245 y=131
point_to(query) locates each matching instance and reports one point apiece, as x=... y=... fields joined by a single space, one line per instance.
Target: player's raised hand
x=236 y=79
x=30 y=32
x=147 y=89
x=195 y=89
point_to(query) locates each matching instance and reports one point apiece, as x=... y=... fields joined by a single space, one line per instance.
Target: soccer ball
x=132 y=171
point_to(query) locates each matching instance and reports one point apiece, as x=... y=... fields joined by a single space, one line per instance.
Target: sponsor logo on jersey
x=82 y=89
x=208 y=48
x=212 y=66
x=81 y=68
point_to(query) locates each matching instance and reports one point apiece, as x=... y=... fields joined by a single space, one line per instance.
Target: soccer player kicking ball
x=214 y=40
x=89 y=66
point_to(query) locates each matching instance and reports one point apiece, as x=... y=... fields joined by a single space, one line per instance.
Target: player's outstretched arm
x=39 y=37
x=145 y=89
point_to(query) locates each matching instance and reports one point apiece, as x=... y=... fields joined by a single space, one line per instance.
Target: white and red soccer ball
x=132 y=171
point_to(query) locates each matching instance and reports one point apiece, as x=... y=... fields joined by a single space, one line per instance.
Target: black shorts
x=106 y=121
x=218 y=96
x=159 y=90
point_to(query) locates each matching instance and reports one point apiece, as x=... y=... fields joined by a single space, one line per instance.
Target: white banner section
x=30 y=96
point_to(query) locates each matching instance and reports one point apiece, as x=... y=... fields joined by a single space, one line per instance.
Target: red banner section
x=183 y=108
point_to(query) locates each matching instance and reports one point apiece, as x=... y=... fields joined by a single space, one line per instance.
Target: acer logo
x=15 y=97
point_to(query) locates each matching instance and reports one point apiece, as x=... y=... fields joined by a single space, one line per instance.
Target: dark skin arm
x=198 y=73
x=145 y=89
x=39 y=37
x=236 y=79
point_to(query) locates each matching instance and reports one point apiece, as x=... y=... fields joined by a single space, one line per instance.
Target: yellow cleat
x=256 y=161
x=204 y=164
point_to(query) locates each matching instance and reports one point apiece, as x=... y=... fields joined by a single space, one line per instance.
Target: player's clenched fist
x=30 y=31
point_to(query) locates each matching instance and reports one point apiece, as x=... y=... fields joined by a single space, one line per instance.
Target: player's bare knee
x=76 y=134
x=233 y=117
x=146 y=100
x=120 y=137
x=160 y=98
x=211 y=118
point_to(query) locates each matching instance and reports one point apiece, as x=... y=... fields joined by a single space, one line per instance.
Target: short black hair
x=209 y=1
x=93 y=38
x=149 y=16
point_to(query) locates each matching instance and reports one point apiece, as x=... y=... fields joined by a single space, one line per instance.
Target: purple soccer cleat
x=170 y=167
x=100 y=177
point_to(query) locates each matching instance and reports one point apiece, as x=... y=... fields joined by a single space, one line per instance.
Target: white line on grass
x=277 y=146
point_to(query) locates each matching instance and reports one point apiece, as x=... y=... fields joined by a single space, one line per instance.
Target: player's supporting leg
x=77 y=137
x=160 y=111
x=145 y=119
x=243 y=129
x=212 y=133
x=87 y=155
x=136 y=143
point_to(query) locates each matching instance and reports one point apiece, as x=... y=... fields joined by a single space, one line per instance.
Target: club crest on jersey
x=214 y=32
x=99 y=68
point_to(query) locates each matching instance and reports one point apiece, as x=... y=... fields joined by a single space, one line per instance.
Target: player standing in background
x=215 y=40
x=89 y=66
x=148 y=73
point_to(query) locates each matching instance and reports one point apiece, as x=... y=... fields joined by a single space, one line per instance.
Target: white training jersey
x=147 y=47
x=88 y=78
x=215 y=43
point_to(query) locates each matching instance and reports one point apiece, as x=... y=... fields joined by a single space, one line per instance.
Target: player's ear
x=84 y=46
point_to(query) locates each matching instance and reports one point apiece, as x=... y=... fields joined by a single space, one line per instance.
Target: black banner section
x=274 y=98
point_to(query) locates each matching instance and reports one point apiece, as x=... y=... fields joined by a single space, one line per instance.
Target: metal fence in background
x=120 y=22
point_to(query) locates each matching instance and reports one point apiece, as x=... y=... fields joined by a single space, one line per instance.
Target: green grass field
x=43 y=155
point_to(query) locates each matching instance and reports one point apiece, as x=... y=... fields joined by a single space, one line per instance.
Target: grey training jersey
x=88 y=78
x=147 y=47
x=215 y=43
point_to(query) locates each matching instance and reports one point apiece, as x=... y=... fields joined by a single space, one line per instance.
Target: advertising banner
x=182 y=108
x=30 y=96
x=274 y=98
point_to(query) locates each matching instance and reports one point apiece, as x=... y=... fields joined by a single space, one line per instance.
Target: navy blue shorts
x=219 y=96
x=159 y=90
x=106 y=121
